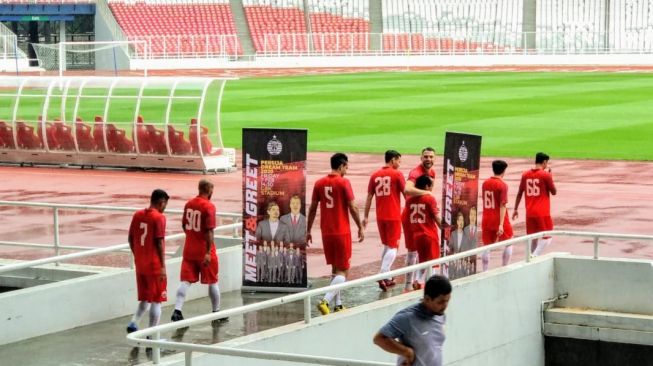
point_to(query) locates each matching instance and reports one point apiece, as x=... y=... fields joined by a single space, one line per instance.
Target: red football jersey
x=537 y=185
x=387 y=185
x=422 y=211
x=418 y=171
x=199 y=216
x=334 y=194
x=147 y=225
x=494 y=194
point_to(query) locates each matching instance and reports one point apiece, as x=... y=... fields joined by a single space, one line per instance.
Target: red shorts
x=390 y=232
x=193 y=270
x=428 y=247
x=152 y=288
x=337 y=250
x=491 y=236
x=538 y=224
x=408 y=236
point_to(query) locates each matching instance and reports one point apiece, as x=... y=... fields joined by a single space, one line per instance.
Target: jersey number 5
x=532 y=187
x=382 y=186
x=328 y=194
x=488 y=200
x=417 y=215
x=193 y=219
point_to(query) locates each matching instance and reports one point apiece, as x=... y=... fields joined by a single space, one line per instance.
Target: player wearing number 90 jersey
x=146 y=240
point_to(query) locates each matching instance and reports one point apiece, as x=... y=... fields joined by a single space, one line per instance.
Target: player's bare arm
x=353 y=210
x=515 y=213
x=502 y=214
x=410 y=190
x=131 y=242
x=158 y=243
x=368 y=205
x=393 y=346
x=312 y=211
x=208 y=238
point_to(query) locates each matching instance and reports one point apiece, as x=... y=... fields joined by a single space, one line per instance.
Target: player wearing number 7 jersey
x=388 y=185
x=496 y=224
x=200 y=261
x=335 y=198
x=538 y=185
x=146 y=240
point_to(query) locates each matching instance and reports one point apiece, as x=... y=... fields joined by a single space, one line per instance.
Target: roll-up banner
x=462 y=158
x=274 y=209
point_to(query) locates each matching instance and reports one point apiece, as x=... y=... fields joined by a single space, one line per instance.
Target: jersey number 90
x=193 y=220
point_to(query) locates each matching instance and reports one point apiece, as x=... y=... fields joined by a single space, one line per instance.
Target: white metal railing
x=188 y=46
x=235 y=226
x=139 y=338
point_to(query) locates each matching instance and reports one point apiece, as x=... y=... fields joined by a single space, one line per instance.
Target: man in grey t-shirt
x=416 y=333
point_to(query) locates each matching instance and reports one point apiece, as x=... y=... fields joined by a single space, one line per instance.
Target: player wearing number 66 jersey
x=388 y=185
x=200 y=261
x=335 y=198
x=146 y=240
x=495 y=223
x=538 y=185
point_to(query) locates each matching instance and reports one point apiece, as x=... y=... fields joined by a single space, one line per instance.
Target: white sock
x=155 y=314
x=214 y=294
x=140 y=310
x=331 y=294
x=485 y=258
x=388 y=258
x=411 y=258
x=541 y=245
x=181 y=294
x=507 y=254
x=338 y=299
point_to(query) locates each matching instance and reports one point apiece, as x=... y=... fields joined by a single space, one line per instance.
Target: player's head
x=393 y=157
x=437 y=292
x=460 y=220
x=273 y=210
x=541 y=158
x=424 y=182
x=499 y=167
x=295 y=204
x=472 y=215
x=205 y=188
x=159 y=200
x=427 y=157
x=339 y=163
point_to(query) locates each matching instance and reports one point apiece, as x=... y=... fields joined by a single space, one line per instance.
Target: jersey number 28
x=382 y=186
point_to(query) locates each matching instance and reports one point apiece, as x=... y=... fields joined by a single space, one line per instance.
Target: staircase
x=242 y=28
x=376 y=24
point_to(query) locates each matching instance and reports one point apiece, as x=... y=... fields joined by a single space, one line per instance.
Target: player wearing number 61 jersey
x=200 y=261
x=537 y=184
x=146 y=240
x=388 y=185
x=495 y=223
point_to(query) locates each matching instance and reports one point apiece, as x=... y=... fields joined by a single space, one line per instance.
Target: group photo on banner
x=274 y=213
x=460 y=230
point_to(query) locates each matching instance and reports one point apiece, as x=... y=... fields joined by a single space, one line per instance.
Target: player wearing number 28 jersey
x=387 y=185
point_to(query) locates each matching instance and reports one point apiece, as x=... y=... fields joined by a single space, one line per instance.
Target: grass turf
x=567 y=115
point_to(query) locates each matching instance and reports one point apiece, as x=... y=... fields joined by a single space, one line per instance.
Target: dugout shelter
x=154 y=122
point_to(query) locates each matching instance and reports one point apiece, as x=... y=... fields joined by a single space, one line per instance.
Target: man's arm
x=515 y=213
x=502 y=214
x=158 y=244
x=208 y=238
x=353 y=210
x=410 y=190
x=368 y=204
x=393 y=346
x=312 y=210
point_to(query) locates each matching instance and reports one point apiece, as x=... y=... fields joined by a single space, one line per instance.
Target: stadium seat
x=178 y=145
x=26 y=137
x=85 y=141
x=204 y=140
x=50 y=133
x=98 y=134
x=157 y=140
x=142 y=137
x=6 y=136
x=64 y=136
x=117 y=140
x=277 y=27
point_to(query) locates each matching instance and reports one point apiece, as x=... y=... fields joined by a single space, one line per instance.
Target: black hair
x=541 y=157
x=158 y=195
x=391 y=154
x=437 y=285
x=337 y=160
x=428 y=148
x=423 y=181
x=499 y=166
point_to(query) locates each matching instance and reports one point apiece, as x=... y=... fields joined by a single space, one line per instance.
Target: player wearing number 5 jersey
x=424 y=221
x=495 y=223
x=200 y=261
x=146 y=240
x=335 y=198
x=538 y=185
x=388 y=185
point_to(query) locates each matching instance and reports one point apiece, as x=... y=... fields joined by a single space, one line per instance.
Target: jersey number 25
x=417 y=213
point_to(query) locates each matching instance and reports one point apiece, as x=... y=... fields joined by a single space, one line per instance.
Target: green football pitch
x=567 y=115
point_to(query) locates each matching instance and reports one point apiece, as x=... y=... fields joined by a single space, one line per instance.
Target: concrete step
x=376 y=23
x=242 y=28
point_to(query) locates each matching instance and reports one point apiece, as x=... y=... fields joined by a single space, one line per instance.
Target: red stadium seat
x=85 y=140
x=26 y=137
x=118 y=142
x=178 y=145
x=204 y=140
x=98 y=134
x=6 y=136
x=53 y=144
x=64 y=136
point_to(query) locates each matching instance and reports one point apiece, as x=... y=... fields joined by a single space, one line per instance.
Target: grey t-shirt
x=417 y=328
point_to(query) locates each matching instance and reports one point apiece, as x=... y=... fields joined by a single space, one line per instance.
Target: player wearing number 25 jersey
x=424 y=219
x=146 y=240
